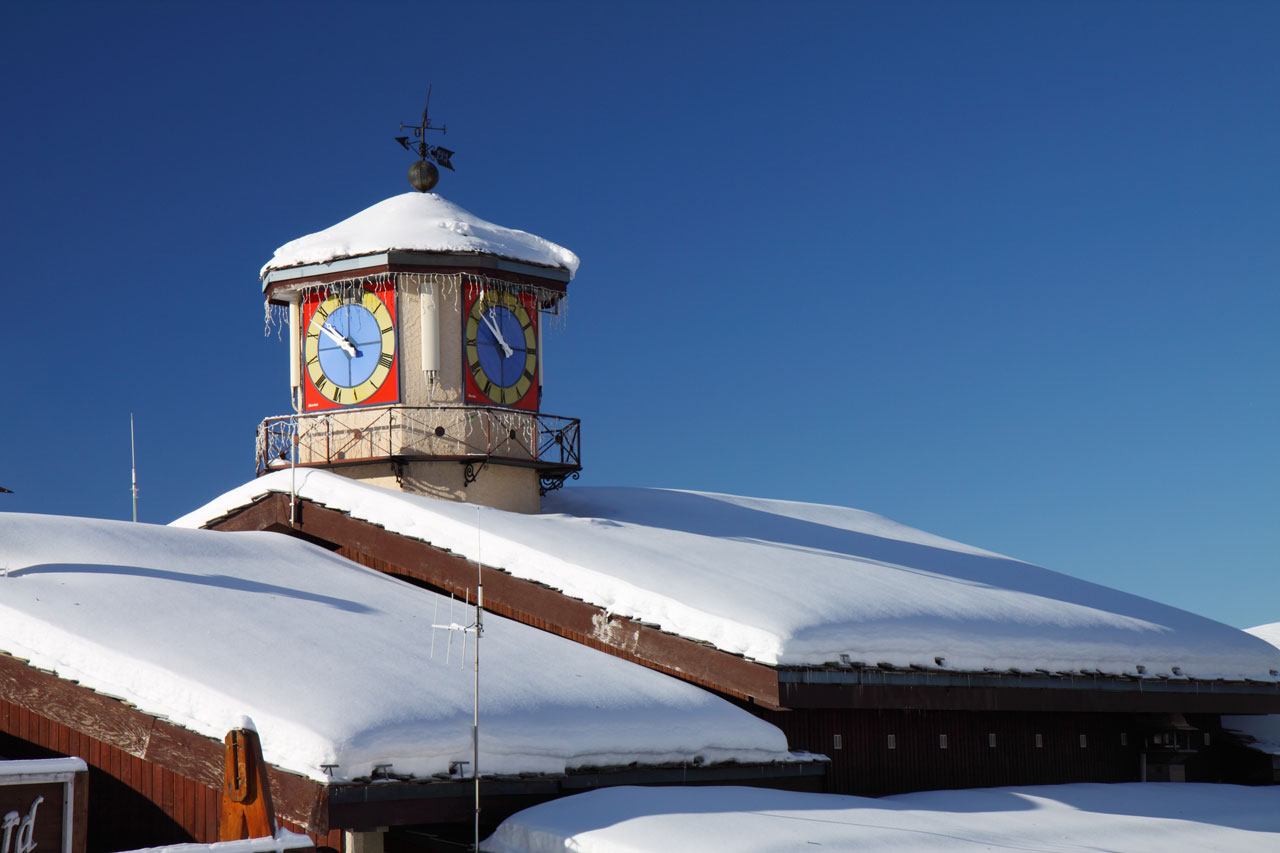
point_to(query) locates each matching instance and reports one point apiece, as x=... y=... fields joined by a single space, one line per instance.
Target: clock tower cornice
x=277 y=285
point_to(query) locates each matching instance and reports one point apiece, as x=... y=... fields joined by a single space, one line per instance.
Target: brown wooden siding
x=150 y=781
x=132 y=802
x=865 y=765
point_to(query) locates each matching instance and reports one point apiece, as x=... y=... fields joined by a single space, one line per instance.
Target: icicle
x=274 y=317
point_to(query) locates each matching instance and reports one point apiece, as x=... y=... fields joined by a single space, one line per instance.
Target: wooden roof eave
x=400 y=803
x=318 y=808
x=301 y=801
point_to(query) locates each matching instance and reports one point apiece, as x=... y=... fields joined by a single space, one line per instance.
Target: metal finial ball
x=423 y=176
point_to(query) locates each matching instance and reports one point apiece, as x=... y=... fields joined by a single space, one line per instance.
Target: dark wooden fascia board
x=524 y=601
x=398 y=804
x=1023 y=699
x=269 y=511
x=150 y=738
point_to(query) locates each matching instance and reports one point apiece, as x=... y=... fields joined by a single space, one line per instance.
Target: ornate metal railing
x=468 y=434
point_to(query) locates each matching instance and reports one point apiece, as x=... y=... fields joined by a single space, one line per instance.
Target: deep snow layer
x=424 y=222
x=1262 y=730
x=794 y=583
x=1126 y=818
x=333 y=662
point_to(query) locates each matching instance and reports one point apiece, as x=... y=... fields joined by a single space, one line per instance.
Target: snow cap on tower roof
x=419 y=222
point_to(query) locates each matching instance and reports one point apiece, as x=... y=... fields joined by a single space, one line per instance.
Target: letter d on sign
x=26 y=830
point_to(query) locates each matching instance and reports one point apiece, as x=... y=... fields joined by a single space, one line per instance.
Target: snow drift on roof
x=421 y=222
x=793 y=583
x=1125 y=818
x=333 y=661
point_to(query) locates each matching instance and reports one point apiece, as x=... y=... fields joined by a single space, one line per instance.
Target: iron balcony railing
x=468 y=434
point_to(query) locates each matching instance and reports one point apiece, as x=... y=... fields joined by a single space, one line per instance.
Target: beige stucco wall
x=499 y=486
x=415 y=390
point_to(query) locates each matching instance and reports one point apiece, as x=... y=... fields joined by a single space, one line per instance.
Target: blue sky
x=1002 y=271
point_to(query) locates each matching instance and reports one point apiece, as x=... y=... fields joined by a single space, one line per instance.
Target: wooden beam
x=246 y=810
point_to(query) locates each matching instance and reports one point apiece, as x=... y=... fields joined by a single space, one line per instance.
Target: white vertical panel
x=295 y=350
x=430 y=329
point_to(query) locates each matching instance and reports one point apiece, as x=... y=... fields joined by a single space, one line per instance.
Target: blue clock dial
x=502 y=364
x=349 y=346
x=500 y=343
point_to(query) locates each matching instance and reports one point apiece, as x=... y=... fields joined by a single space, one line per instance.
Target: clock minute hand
x=493 y=327
x=338 y=339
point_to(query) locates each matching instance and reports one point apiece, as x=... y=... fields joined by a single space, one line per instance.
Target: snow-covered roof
x=1269 y=632
x=421 y=222
x=334 y=662
x=1261 y=731
x=790 y=583
x=1125 y=818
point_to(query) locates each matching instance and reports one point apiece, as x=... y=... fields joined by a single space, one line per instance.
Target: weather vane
x=423 y=174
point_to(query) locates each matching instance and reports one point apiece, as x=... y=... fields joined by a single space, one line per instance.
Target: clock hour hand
x=493 y=327
x=339 y=339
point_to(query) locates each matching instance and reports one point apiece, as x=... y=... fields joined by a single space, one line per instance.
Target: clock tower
x=415 y=334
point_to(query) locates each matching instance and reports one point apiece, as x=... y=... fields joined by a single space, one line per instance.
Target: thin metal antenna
x=435 y=617
x=466 y=605
x=448 y=649
x=476 y=627
x=133 y=456
x=475 y=725
x=293 y=473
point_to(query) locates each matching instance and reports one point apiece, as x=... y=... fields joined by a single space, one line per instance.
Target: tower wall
x=415 y=389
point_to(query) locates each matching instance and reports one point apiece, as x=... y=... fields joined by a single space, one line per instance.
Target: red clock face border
x=381 y=299
x=516 y=318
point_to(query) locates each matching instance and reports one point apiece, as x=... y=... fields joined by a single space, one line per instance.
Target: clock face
x=500 y=348
x=349 y=348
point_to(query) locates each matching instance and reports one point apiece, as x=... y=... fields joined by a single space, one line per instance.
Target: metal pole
x=293 y=471
x=475 y=724
x=133 y=457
